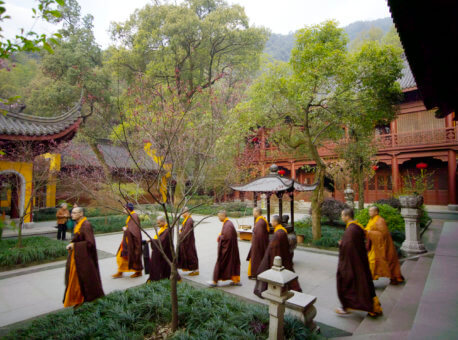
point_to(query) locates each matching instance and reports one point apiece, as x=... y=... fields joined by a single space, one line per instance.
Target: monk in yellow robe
x=129 y=255
x=382 y=254
x=82 y=275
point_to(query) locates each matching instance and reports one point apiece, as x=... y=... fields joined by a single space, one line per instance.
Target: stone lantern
x=349 y=196
x=277 y=279
x=410 y=211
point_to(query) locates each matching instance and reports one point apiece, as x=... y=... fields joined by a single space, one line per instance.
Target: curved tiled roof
x=407 y=80
x=20 y=124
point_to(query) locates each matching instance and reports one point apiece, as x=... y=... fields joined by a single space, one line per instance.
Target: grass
x=35 y=250
x=137 y=312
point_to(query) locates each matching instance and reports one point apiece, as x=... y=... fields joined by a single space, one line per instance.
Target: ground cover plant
x=34 y=250
x=114 y=223
x=137 y=312
x=330 y=234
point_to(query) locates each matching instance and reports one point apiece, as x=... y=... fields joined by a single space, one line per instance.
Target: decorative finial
x=274 y=169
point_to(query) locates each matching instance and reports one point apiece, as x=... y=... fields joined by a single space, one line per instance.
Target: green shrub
x=35 y=249
x=136 y=312
x=114 y=223
x=425 y=219
x=391 y=215
x=330 y=235
x=392 y=201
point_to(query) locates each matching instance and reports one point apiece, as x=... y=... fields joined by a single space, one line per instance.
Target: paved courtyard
x=32 y=291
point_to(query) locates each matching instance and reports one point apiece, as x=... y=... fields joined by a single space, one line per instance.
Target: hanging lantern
x=255 y=140
x=281 y=172
x=421 y=166
x=375 y=167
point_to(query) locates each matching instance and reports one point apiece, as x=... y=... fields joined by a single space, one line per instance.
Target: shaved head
x=78 y=210
x=222 y=215
x=161 y=219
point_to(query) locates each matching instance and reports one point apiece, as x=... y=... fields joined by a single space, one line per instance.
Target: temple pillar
x=395 y=174
x=293 y=171
x=452 y=176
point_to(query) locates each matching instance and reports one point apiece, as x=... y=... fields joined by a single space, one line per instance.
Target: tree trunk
x=360 y=188
x=19 y=234
x=317 y=200
x=174 y=296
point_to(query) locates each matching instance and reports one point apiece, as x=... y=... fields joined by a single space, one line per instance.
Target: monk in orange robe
x=355 y=287
x=82 y=275
x=382 y=254
x=227 y=265
x=259 y=243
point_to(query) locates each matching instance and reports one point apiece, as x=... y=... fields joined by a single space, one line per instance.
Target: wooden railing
x=444 y=136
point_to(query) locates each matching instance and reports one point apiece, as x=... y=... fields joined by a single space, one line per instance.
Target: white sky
x=280 y=16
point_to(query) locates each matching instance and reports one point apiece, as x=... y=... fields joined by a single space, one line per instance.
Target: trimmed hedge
x=49 y=214
x=391 y=215
x=136 y=313
x=35 y=249
x=114 y=223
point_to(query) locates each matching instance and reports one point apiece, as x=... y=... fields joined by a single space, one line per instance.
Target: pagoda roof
x=21 y=126
x=274 y=183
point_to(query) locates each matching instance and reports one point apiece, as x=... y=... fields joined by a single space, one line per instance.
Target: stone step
x=402 y=314
x=388 y=300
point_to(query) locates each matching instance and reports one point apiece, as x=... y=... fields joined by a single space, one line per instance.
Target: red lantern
x=281 y=172
x=422 y=166
x=375 y=167
x=255 y=139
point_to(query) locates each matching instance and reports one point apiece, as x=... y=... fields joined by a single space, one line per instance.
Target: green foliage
x=332 y=208
x=136 y=312
x=35 y=249
x=330 y=235
x=392 y=201
x=114 y=223
x=49 y=214
x=391 y=215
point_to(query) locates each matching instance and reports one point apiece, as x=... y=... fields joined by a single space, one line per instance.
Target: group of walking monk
x=365 y=254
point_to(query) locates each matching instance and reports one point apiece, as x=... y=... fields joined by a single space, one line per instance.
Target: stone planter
x=300 y=238
x=411 y=201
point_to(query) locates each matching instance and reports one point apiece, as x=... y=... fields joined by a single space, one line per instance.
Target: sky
x=280 y=16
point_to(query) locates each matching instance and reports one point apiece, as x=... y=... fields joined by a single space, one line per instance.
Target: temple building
x=23 y=138
x=416 y=140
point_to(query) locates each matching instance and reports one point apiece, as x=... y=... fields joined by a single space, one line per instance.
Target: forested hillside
x=279 y=45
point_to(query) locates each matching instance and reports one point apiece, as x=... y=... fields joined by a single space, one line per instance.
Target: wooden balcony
x=390 y=142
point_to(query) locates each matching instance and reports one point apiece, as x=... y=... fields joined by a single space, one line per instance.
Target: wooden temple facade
x=415 y=136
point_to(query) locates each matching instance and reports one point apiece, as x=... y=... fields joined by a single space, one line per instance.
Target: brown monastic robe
x=187 y=256
x=259 y=243
x=279 y=246
x=354 y=280
x=388 y=256
x=159 y=267
x=227 y=265
x=87 y=264
x=131 y=247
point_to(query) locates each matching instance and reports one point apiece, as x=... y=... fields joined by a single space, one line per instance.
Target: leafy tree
x=309 y=101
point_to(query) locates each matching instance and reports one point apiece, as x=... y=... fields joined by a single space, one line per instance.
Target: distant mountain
x=279 y=46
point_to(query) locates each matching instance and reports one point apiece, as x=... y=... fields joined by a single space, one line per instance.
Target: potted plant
x=414 y=186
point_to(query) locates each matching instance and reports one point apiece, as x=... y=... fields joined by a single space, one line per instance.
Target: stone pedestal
x=412 y=243
x=349 y=196
x=277 y=278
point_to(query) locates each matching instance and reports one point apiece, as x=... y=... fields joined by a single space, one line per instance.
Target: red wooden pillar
x=452 y=177
x=395 y=174
x=293 y=171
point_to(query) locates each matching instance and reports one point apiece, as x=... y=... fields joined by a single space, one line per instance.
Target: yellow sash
x=128 y=217
x=184 y=222
x=355 y=222
x=161 y=230
x=78 y=225
x=280 y=227
x=372 y=222
x=263 y=218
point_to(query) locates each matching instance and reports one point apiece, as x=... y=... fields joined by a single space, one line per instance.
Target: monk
x=354 y=280
x=82 y=275
x=382 y=254
x=259 y=243
x=279 y=246
x=129 y=255
x=187 y=255
x=227 y=265
x=159 y=267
